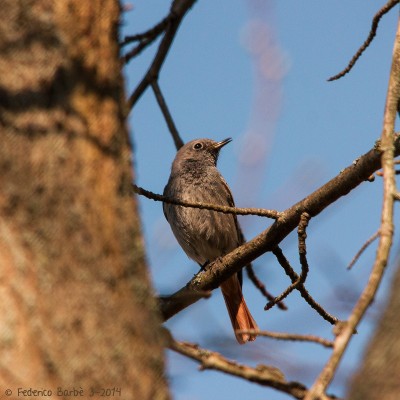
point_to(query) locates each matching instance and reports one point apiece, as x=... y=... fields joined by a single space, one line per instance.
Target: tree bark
x=76 y=306
x=379 y=374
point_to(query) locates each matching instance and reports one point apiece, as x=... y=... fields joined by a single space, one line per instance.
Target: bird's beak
x=222 y=143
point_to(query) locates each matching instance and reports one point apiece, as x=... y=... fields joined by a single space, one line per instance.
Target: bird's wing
x=231 y=203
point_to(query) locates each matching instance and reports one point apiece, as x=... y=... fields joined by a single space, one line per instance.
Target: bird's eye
x=198 y=146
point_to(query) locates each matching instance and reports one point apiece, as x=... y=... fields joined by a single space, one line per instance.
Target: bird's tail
x=240 y=315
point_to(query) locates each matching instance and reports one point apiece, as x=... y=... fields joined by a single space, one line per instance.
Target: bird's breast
x=203 y=234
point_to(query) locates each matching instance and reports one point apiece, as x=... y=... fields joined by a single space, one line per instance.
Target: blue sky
x=256 y=71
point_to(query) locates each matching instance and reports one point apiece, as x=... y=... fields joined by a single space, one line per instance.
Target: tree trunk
x=76 y=307
x=379 y=375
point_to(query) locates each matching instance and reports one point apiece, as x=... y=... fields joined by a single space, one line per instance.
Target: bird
x=205 y=235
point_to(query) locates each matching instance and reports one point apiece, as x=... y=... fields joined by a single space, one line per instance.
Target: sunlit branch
x=388 y=148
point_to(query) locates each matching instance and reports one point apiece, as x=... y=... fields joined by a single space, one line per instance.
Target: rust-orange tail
x=238 y=312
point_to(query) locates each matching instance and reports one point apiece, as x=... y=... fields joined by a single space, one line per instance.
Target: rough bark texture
x=379 y=375
x=75 y=301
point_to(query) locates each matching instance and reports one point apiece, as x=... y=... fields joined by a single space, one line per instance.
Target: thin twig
x=363 y=248
x=204 y=206
x=302 y=235
x=261 y=287
x=178 y=10
x=301 y=288
x=374 y=26
x=380 y=173
x=386 y=229
x=137 y=50
x=282 y=296
x=289 y=336
x=167 y=115
x=144 y=39
x=152 y=33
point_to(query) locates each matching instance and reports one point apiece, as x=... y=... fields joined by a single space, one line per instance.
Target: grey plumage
x=205 y=235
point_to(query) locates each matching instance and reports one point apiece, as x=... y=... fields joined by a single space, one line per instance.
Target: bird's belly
x=204 y=235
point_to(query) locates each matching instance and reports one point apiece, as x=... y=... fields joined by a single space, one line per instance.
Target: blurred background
x=256 y=71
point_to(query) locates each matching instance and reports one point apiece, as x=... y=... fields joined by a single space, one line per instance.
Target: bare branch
x=303 y=261
x=363 y=248
x=302 y=236
x=167 y=115
x=397 y=172
x=184 y=298
x=375 y=22
x=223 y=209
x=144 y=39
x=224 y=267
x=149 y=34
x=386 y=229
x=301 y=288
x=178 y=10
x=262 y=374
x=261 y=287
x=290 y=336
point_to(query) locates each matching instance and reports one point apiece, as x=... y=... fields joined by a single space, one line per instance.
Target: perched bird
x=205 y=235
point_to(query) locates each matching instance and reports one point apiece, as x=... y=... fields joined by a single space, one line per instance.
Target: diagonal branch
x=375 y=22
x=222 y=268
x=261 y=287
x=363 y=248
x=262 y=374
x=167 y=115
x=144 y=39
x=178 y=10
x=301 y=288
x=297 y=281
x=389 y=147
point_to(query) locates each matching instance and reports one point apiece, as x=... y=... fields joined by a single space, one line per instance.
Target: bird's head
x=200 y=152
